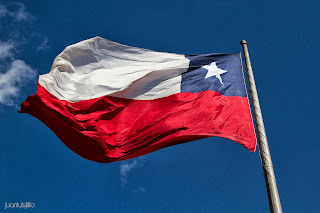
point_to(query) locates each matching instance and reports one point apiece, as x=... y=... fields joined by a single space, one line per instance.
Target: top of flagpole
x=243 y=42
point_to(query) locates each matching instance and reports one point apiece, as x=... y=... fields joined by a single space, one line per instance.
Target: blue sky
x=209 y=175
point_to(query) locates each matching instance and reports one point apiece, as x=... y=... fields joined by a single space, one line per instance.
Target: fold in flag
x=110 y=102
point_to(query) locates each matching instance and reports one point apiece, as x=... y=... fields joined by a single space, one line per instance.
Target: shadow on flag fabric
x=109 y=102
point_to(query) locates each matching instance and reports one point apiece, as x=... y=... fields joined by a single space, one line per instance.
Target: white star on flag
x=213 y=70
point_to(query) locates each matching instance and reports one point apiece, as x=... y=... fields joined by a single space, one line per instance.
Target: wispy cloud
x=125 y=168
x=3 y=11
x=11 y=81
x=14 y=71
x=141 y=188
x=44 y=45
x=6 y=49
x=18 y=12
x=21 y=14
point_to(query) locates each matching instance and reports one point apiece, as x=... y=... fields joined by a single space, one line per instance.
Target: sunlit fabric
x=109 y=102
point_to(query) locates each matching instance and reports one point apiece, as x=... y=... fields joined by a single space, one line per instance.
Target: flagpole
x=273 y=195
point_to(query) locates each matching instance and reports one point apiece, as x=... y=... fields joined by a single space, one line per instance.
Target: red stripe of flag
x=109 y=129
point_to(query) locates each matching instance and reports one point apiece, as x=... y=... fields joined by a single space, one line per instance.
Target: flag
x=109 y=102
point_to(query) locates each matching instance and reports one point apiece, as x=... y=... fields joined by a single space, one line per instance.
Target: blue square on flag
x=218 y=72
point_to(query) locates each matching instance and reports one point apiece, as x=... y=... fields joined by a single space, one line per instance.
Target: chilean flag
x=109 y=102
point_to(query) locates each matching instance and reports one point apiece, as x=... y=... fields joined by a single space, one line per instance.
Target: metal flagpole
x=273 y=195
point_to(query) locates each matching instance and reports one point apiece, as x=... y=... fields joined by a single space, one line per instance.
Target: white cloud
x=14 y=73
x=19 y=14
x=18 y=74
x=6 y=49
x=142 y=189
x=16 y=34
x=3 y=11
x=125 y=168
x=44 y=45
